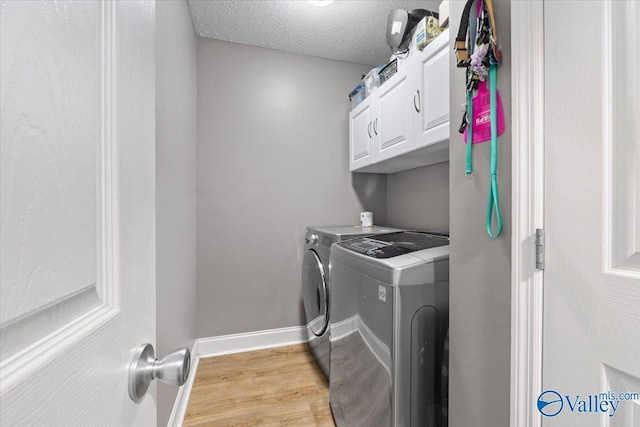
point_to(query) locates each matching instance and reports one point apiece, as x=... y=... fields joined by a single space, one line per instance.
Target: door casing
x=527 y=85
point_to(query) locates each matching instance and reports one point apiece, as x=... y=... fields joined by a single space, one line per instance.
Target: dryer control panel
x=395 y=244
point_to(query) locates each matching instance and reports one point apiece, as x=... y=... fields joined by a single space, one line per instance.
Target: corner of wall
x=176 y=69
x=480 y=267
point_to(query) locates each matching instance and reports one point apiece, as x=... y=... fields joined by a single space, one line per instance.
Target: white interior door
x=77 y=210
x=592 y=213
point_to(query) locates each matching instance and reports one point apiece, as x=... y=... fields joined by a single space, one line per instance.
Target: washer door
x=314 y=293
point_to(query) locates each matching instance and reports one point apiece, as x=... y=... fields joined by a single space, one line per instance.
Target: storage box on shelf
x=404 y=124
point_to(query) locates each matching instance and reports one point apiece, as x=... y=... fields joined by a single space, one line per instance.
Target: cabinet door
x=393 y=121
x=361 y=135
x=431 y=96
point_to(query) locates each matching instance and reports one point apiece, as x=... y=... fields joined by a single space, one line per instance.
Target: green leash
x=494 y=201
x=469 y=171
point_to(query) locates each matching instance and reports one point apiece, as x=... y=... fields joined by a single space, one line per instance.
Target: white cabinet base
x=430 y=155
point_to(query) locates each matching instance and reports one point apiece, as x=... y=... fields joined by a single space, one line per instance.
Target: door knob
x=172 y=369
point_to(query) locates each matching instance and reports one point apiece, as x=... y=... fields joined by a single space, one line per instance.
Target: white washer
x=315 y=282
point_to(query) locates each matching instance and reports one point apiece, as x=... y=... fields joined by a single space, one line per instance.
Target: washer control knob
x=313 y=239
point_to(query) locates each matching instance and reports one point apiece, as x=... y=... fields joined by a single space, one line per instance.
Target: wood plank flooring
x=274 y=387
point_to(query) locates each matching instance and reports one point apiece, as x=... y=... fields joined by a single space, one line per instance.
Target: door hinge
x=539 y=249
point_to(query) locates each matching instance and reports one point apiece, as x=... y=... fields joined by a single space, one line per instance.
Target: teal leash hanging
x=486 y=34
x=493 y=205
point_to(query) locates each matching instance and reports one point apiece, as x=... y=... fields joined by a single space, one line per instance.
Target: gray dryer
x=315 y=283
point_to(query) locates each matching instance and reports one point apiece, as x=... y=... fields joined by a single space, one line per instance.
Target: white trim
x=107 y=190
x=182 y=398
x=26 y=362
x=527 y=47
x=617 y=251
x=230 y=344
x=250 y=341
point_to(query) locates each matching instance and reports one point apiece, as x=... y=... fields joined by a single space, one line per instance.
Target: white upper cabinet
x=431 y=96
x=361 y=135
x=392 y=123
x=404 y=123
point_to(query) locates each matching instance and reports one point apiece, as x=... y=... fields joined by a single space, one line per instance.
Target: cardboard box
x=444 y=13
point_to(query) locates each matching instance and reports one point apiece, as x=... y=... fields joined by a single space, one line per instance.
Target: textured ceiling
x=346 y=30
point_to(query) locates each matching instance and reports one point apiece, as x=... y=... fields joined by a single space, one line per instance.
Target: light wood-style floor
x=274 y=387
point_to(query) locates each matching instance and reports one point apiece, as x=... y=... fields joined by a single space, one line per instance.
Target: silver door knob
x=173 y=369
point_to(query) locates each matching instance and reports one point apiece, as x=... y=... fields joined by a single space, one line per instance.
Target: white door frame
x=527 y=47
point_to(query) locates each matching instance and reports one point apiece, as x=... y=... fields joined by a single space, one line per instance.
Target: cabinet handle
x=416 y=105
x=369 y=129
x=375 y=127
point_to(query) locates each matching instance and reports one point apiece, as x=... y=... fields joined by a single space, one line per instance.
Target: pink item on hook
x=481 y=120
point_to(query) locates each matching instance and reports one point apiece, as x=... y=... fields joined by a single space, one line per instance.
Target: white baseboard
x=229 y=344
x=182 y=399
x=250 y=341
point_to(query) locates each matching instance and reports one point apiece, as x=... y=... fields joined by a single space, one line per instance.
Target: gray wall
x=176 y=186
x=419 y=198
x=480 y=266
x=272 y=159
